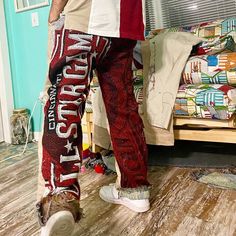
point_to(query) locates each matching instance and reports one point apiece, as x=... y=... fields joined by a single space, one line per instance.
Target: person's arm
x=56 y=9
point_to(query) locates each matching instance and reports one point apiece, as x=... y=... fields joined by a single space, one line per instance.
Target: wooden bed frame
x=223 y=131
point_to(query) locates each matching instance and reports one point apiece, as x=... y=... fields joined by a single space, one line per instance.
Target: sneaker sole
x=61 y=223
x=126 y=203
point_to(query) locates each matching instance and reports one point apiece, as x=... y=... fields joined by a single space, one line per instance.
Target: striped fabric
x=211 y=69
x=111 y=18
x=218 y=78
x=209 y=98
x=206 y=101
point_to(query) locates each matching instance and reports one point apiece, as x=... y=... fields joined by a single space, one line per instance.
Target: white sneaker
x=111 y=195
x=61 y=223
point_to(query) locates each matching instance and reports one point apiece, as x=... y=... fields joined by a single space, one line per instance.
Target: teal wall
x=28 y=57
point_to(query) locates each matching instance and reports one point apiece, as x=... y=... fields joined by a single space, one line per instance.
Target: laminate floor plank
x=180 y=206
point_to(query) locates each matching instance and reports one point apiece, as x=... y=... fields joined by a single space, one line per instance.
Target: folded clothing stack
x=208 y=80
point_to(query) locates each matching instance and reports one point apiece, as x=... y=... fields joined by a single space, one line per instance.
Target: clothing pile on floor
x=224 y=179
x=101 y=163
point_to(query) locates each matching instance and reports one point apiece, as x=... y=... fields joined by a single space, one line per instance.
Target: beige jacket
x=169 y=54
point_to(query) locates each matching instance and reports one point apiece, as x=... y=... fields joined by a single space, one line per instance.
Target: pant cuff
x=135 y=193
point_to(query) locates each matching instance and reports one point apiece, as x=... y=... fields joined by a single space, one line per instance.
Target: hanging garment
x=169 y=53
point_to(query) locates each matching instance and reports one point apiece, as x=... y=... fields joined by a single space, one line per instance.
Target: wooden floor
x=179 y=205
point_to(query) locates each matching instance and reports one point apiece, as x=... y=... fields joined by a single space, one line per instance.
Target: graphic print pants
x=74 y=57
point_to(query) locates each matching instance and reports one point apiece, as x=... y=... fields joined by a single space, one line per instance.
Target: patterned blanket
x=210 y=73
x=211 y=69
x=219 y=35
x=200 y=101
x=206 y=101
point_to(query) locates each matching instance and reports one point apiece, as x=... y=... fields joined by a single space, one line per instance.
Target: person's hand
x=53 y=16
x=56 y=9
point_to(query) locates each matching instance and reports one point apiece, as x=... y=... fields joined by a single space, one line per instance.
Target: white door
x=6 y=95
x=1 y=127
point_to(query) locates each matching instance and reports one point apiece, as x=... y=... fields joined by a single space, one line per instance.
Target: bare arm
x=56 y=8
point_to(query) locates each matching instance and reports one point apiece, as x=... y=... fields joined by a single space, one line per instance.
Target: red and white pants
x=74 y=57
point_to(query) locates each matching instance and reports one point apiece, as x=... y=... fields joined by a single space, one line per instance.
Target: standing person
x=101 y=35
